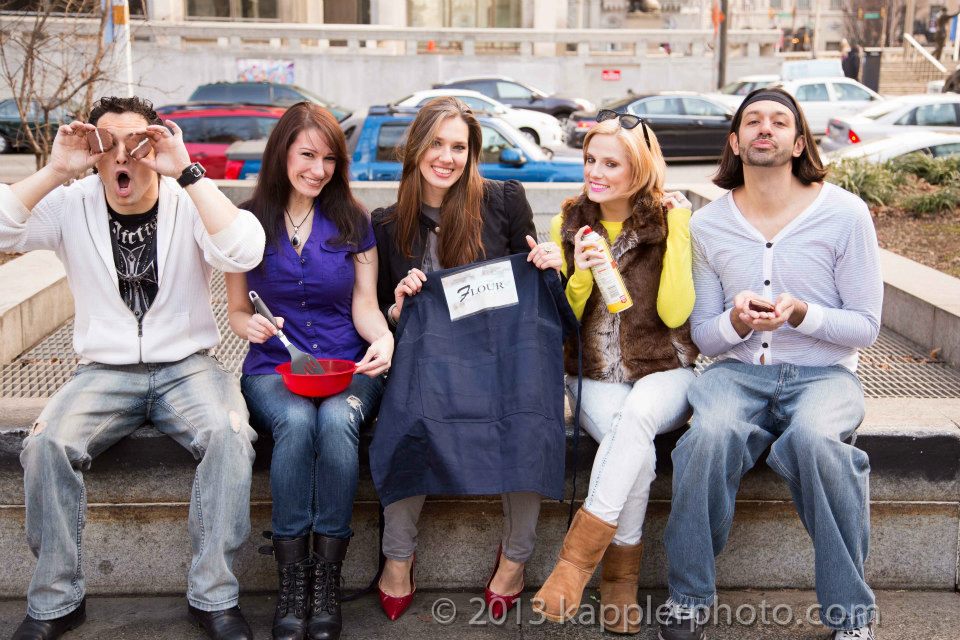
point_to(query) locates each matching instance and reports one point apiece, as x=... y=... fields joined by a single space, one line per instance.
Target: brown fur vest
x=627 y=346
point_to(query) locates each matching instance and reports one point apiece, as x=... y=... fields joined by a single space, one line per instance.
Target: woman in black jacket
x=445 y=216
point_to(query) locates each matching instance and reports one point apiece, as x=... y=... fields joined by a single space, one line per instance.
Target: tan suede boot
x=559 y=598
x=618 y=588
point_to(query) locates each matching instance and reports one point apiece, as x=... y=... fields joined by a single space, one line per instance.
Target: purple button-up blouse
x=313 y=292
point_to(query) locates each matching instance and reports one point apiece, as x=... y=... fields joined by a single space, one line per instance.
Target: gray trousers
x=521 y=510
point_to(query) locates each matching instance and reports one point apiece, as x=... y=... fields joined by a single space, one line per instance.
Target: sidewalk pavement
x=904 y=615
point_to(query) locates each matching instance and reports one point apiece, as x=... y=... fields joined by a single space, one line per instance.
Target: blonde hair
x=647 y=165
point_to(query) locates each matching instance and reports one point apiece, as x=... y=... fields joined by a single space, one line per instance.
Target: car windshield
x=532 y=151
x=621 y=103
x=539 y=92
x=881 y=109
x=743 y=87
x=338 y=112
x=240 y=93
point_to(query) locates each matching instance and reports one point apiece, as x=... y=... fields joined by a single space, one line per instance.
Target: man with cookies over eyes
x=139 y=241
x=788 y=288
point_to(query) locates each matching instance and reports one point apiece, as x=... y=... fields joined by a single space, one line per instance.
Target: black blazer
x=507 y=220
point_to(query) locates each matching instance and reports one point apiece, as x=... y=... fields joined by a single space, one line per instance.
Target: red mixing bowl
x=338 y=375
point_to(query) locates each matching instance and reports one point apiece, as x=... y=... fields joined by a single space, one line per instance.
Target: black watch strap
x=191 y=174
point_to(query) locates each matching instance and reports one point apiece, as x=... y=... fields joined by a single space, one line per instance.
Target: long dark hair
x=461 y=220
x=273 y=186
x=807 y=166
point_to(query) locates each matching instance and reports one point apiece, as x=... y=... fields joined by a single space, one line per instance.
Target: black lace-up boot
x=294 y=569
x=326 y=620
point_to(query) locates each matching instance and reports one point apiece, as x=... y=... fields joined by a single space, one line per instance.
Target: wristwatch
x=191 y=174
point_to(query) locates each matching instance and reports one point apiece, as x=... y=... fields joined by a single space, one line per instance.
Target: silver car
x=922 y=112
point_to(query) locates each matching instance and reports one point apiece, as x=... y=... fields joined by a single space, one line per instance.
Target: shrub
x=941 y=200
x=875 y=183
x=936 y=171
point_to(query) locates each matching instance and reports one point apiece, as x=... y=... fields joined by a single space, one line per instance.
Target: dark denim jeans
x=315 y=466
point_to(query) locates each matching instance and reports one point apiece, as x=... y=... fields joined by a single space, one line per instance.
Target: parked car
x=688 y=125
x=922 y=112
x=373 y=138
x=732 y=94
x=542 y=129
x=933 y=143
x=12 y=129
x=822 y=98
x=257 y=93
x=517 y=94
x=208 y=131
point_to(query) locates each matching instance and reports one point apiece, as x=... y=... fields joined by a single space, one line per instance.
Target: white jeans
x=624 y=419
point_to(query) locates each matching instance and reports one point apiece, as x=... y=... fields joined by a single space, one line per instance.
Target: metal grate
x=892 y=368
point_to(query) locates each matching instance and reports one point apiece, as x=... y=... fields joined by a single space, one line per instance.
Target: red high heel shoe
x=394 y=606
x=499 y=605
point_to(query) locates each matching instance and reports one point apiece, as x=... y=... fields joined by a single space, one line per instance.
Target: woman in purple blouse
x=319 y=279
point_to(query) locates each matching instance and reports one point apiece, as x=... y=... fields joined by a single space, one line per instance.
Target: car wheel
x=5 y=146
x=531 y=135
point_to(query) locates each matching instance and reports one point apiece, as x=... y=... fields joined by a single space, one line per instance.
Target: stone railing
x=384 y=39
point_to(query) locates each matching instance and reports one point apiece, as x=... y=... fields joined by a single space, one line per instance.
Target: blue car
x=373 y=139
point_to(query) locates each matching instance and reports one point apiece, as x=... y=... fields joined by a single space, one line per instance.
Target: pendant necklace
x=295 y=238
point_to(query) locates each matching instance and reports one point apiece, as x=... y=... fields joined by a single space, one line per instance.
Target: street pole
x=724 y=20
x=125 y=13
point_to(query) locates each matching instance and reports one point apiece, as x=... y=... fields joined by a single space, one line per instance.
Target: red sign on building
x=610 y=74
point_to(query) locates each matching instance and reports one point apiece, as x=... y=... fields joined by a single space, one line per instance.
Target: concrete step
x=931 y=615
x=136 y=534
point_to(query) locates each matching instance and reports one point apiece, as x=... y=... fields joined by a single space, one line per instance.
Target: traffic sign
x=610 y=74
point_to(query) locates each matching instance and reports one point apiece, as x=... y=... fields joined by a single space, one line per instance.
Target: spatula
x=300 y=362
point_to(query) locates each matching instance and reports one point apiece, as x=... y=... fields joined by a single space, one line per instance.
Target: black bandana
x=774 y=96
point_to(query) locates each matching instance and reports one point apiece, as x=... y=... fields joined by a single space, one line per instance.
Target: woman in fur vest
x=637 y=364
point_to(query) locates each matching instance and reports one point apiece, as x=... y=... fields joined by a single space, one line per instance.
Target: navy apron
x=474 y=405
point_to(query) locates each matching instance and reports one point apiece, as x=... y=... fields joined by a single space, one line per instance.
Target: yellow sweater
x=676 y=295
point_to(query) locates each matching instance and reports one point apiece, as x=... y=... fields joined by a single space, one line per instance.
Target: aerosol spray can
x=607 y=276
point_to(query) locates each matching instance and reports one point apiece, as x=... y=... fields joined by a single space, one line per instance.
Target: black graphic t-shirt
x=134 y=239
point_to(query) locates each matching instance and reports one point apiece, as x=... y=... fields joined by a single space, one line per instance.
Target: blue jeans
x=806 y=414
x=194 y=401
x=315 y=466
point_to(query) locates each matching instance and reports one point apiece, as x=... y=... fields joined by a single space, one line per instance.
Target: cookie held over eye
x=138 y=146
x=100 y=140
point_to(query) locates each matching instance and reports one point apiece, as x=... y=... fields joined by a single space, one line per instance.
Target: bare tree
x=52 y=57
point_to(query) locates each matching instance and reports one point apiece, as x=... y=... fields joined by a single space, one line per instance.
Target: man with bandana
x=788 y=289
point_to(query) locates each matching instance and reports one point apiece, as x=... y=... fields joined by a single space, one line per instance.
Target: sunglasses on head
x=627 y=121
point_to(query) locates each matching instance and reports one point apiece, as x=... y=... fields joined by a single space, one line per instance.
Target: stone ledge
x=138 y=492
x=914 y=448
x=144 y=549
x=922 y=304
x=34 y=300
